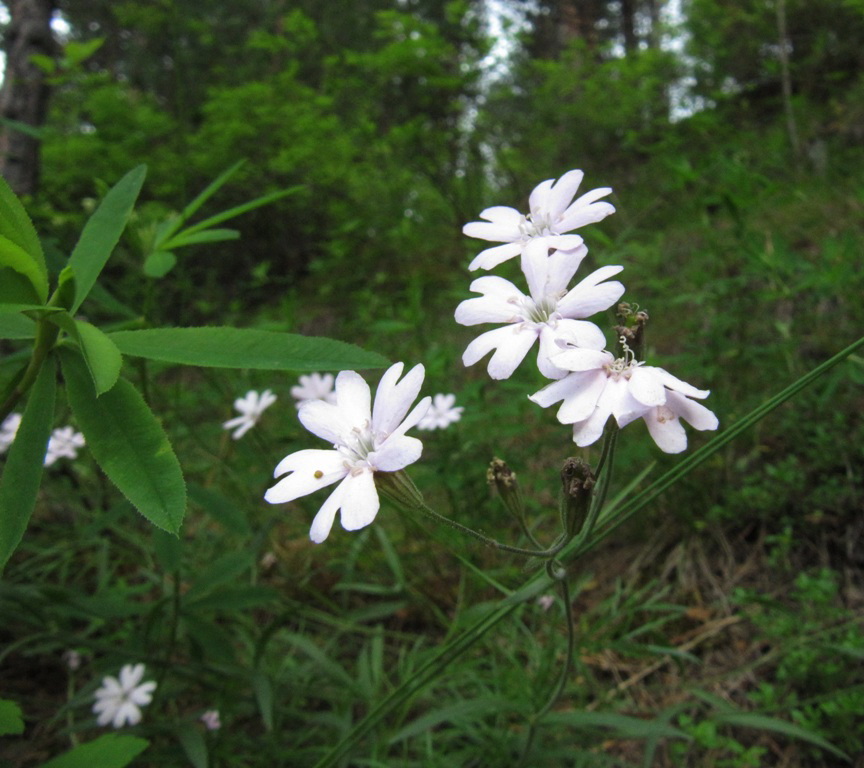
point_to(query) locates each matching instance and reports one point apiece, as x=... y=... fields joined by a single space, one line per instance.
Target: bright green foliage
x=243 y=348
x=102 y=232
x=11 y=722
x=109 y=751
x=22 y=471
x=129 y=444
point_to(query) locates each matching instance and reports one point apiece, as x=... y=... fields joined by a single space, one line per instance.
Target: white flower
x=546 y=601
x=601 y=386
x=552 y=214
x=315 y=386
x=549 y=313
x=64 y=443
x=366 y=439
x=251 y=406
x=72 y=659
x=211 y=720
x=119 y=701
x=442 y=413
x=8 y=430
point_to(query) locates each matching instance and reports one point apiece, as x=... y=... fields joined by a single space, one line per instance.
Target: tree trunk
x=24 y=96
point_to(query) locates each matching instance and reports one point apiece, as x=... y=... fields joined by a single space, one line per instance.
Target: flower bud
x=504 y=480
x=577 y=481
x=399 y=488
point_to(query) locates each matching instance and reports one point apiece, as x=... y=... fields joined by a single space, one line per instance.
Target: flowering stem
x=606 y=456
x=543 y=553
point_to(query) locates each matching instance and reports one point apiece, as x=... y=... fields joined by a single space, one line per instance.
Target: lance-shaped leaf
x=218 y=347
x=99 y=352
x=14 y=257
x=128 y=443
x=113 y=750
x=22 y=472
x=16 y=226
x=102 y=232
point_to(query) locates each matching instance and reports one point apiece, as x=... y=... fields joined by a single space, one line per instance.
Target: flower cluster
x=592 y=383
x=119 y=701
x=63 y=443
x=366 y=437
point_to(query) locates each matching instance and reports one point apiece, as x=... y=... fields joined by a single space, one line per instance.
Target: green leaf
x=241 y=209
x=193 y=745
x=264 y=696
x=128 y=442
x=159 y=263
x=15 y=257
x=102 y=232
x=16 y=288
x=765 y=723
x=28 y=130
x=219 y=347
x=16 y=327
x=16 y=226
x=11 y=721
x=109 y=751
x=206 y=236
x=461 y=712
x=75 y=52
x=22 y=472
x=99 y=352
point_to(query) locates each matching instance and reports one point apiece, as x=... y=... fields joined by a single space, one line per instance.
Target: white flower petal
x=538 y=201
x=323 y=522
x=494 y=231
x=535 y=267
x=564 y=242
x=579 y=215
x=502 y=214
x=325 y=420
x=413 y=418
x=494 y=256
x=353 y=398
x=310 y=470
x=590 y=430
x=563 y=192
x=393 y=400
x=580 y=333
x=666 y=429
x=143 y=694
x=360 y=503
x=485 y=309
x=683 y=387
x=592 y=295
x=396 y=453
x=512 y=343
x=130 y=675
x=548 y=348
x=127 y=713
x=646 y=387
x=695 y=414
x=583 y=359
x=563 y=265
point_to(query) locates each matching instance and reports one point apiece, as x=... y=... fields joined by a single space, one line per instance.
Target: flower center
x=623 y=366
x=539 y=226
x=356 y=447
x=543 y=311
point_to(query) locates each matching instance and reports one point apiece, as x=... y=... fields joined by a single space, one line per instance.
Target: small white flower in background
x=8 y=430
x=549 y=314
x=546 y=601
x=119 y=701
x=315 y=386
x=552 y=215
x=442 y=413
x=268 y=560
x=251 y=406
x=63 y=444
x=366 y=439
x=72 y=659
x=211 y=720
x=601 y=386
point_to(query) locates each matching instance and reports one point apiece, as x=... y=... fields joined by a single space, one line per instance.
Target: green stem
x=543 y=553
x=46 y=336
x=606 y=457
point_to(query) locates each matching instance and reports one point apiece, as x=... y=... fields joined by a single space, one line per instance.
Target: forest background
x=732 y=134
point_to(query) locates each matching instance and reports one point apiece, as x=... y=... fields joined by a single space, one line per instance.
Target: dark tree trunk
x=24 y=96
x=628 y=25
